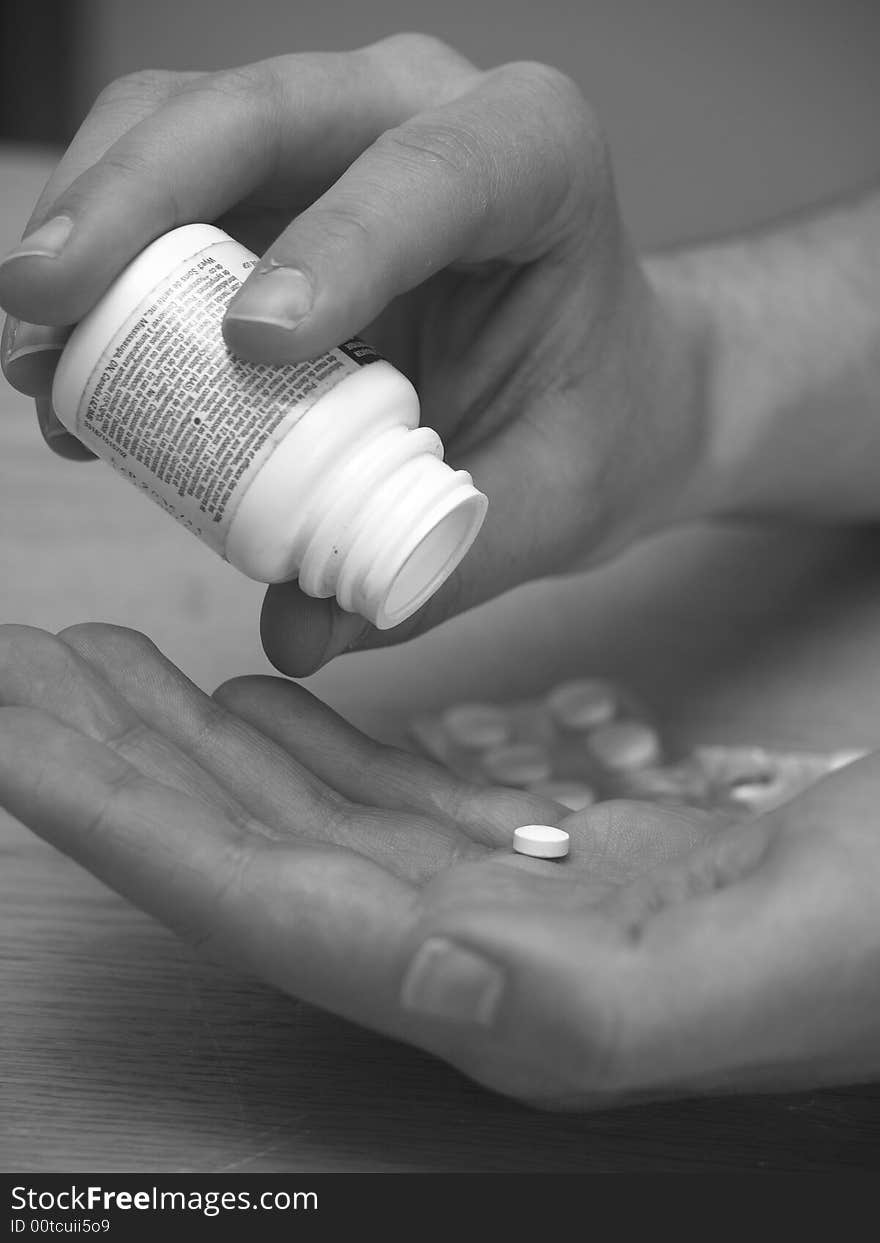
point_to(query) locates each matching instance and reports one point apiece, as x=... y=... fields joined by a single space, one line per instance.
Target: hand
x=668 y=954
x=465 y=221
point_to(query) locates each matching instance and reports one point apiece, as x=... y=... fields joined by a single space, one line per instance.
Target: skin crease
x=466 y=222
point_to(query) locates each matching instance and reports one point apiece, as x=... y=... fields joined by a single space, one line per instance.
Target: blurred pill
x=475 y=726
x=583 y=703
x=680 y=783
x=519 y=764
x=756 y=794
x=571 y=794
x=541 y=841
x=624 y=745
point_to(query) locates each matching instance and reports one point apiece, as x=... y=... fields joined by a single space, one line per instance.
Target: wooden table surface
x=121 y=1050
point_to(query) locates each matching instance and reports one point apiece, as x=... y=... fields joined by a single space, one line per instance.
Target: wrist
x=678 y=359
x=784 y=331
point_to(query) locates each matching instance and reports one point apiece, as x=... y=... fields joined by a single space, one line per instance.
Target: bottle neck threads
x=362 y=507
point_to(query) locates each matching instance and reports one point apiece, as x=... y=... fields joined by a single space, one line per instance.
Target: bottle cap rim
x=435 y=549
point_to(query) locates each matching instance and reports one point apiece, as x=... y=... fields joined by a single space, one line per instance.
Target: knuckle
x=456 y=150
x=569 y=138
x=254 y=94
x=548 y=81
x=20 y=645
x=560 y=102
x=142 y=86
x=107 y=637
x=242 y=81
x=414 y=45
x=423 y=69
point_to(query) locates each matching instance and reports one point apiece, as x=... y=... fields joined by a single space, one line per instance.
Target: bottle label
x=171 y=409
x=359 y=352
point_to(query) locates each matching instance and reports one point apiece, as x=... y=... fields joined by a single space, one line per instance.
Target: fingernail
x=29 y=351
x=11 y=326
x=276 y=296
x=447 y=981
x=46 y=242
x=50 y=424
x=56 y=435
x=28 y=355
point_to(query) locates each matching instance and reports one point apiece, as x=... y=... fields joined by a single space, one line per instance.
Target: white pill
x=752 y=794
x=541 y=841
x=518 y=764
x=582 y=704
x=476 y=726
x=571 y=794
x=624 y=745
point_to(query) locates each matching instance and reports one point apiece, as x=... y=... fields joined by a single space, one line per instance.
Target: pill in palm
x=623 y=745
x=571 y=794
x=518 y=764
x=583 y=703
x=475 y=726
x=541 y=841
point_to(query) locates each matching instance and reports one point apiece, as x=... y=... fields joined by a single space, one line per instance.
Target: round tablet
x=476 y=726
x=571 y=794
x=518 y=764
x=583 y=703
x=541 y=841
x=752 y=794
x=624 y=745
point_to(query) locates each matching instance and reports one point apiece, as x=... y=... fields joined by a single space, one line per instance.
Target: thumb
x=301 y=634
x=529 y=533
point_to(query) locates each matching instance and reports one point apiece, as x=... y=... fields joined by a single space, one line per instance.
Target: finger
x=488 y=175
x=29 y=353
x=285 y=126
x=746 y=964
x=324 y=924
x=56 y=435
x=373 y=774
x=568 y=989
x=120 y=107
x=39 y=671
x=300 y=634
x=267 y=780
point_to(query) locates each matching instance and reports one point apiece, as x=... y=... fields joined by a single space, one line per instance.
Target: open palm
x=263 y=827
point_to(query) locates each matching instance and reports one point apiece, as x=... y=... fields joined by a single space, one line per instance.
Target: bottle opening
x=432 y=560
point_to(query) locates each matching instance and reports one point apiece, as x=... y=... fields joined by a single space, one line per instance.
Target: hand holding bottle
x=465 y=221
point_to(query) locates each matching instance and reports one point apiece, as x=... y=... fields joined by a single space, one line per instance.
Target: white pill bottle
x=316 y=471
